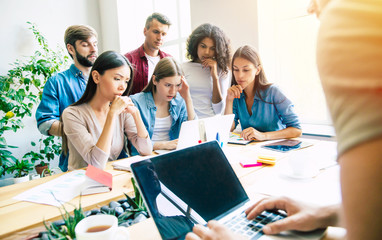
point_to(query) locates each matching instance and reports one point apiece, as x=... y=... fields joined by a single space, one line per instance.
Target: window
x=132 y=18
x=287 y=45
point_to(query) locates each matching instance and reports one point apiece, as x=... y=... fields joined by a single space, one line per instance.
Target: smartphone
x=287 y=145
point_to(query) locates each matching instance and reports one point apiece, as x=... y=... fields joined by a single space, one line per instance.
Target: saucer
x=288 y=172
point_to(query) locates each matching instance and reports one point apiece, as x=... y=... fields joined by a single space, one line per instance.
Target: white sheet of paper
x=64 y=188
x=322 y=189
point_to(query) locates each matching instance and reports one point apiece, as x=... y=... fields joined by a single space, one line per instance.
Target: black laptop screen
x=192 y=185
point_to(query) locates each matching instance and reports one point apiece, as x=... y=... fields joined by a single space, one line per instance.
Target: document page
x=56 y=191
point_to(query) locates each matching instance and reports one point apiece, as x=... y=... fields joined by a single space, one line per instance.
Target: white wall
x=238 y=19
x=109 y=33
x=52 y=18
x=132 y=18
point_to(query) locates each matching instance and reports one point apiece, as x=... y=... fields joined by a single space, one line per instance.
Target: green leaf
x=21 y=93
x=3 y=141
x=131 y=201
x=27 y=81
x=36 y=82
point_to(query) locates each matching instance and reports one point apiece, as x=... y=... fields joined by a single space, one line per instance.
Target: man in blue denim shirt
x=65 y=88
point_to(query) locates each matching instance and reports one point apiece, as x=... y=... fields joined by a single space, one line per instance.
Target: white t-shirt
x=200 y=82
x=152 y=62
x=161 y=129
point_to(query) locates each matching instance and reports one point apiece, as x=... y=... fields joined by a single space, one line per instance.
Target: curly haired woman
x=207 y=73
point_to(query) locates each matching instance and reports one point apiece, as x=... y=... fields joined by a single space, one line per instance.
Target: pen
x=237 y=134
x=218 y=139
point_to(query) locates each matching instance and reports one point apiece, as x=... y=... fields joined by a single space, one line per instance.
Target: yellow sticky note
x=267 y=160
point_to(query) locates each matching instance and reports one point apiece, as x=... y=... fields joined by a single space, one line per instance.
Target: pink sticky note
x=100 y=176
x=246 y=164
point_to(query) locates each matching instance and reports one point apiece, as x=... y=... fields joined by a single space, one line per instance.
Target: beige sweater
x=82 y=129
x=349 y=59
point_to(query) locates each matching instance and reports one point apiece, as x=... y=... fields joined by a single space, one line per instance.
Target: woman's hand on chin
x=234 y=92
x=119 y=104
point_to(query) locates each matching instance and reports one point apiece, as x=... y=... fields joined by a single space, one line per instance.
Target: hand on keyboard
x=213 y=231
x=301 y=217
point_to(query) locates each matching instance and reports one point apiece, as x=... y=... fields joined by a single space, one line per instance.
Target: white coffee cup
x=303 y=163
x=100 y=227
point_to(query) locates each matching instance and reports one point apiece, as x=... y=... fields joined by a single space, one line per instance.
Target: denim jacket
x=144 y=101
x=276 y=112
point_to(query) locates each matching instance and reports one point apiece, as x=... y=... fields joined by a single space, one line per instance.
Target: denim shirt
x=60 y=91
x=144 y=101
x=275 y=113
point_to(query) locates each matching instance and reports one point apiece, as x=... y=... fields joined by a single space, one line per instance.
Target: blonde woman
x=164 y=104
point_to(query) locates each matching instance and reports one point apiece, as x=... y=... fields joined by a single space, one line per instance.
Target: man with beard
x=145 y=58
x=65 y=88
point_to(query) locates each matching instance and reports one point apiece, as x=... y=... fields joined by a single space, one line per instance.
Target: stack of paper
x=124 y=164
x=68 y=186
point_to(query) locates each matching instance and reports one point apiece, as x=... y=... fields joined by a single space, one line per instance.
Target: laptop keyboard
x=252 y=228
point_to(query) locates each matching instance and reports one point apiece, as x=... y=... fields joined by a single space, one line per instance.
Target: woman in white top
x=164 y=104
x=95 y=126
x=207 y=73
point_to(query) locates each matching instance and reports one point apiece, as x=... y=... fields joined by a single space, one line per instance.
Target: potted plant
x=22 y=168
x=6 y=156
x=65 y=229
x=49 y=147
x=21 y=90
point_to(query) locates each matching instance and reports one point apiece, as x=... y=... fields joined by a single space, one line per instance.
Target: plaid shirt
x=141 y=68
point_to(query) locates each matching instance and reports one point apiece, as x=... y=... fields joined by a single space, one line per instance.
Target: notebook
x=195 y=185
x=207 y=129
x=235 y=138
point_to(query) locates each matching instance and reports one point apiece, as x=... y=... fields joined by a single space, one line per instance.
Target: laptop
x=197 y=184
x=207 y=129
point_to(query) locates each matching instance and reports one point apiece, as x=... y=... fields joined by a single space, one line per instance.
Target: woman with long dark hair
x=264 y=112
x=207 y=73
x=164 y=104
x=95 y=126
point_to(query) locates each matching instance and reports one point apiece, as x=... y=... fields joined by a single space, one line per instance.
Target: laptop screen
x=205 y=129
x=188 y=186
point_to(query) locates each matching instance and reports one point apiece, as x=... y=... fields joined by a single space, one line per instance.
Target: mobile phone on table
x=287 y=145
